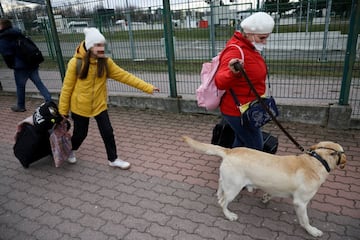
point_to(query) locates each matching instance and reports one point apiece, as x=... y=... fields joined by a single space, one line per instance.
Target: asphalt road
x=196 y=50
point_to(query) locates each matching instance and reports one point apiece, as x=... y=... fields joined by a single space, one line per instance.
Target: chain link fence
x=306 y=53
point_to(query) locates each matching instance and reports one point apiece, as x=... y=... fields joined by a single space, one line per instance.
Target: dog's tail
x=205 y=147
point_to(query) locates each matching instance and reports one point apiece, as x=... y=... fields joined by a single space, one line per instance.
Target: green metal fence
x=309 y=54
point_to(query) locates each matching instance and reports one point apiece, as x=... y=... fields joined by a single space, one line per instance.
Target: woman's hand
x=231 y=65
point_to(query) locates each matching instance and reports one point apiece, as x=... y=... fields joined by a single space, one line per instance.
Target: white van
x=77 y=26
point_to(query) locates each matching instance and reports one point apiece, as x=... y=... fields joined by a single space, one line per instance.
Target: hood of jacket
x=240 y=40
x=80 y=51
x=10 y=33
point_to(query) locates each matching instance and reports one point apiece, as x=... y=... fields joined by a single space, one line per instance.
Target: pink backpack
x=207 y=94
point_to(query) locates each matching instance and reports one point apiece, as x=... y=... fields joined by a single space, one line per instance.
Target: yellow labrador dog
x=293 y=176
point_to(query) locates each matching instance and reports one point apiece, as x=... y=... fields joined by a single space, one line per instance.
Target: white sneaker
x=120 y=164
x=72 y=158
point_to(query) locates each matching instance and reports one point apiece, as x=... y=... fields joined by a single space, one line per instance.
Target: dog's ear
x=313 y=147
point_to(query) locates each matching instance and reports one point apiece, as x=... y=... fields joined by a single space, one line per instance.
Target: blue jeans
x=245 y=135
x=21 y=77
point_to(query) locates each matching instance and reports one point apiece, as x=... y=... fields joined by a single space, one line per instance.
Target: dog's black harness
x=323 y=162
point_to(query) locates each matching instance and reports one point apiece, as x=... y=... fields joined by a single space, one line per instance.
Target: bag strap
x=240 y=68
x=232 y=45
x=236 y=100
x=240 y=50
x=78 y=66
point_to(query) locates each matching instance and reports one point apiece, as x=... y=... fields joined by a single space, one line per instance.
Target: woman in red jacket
x=255 y=31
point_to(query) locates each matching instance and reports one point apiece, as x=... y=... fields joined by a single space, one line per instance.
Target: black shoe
x=18 y=109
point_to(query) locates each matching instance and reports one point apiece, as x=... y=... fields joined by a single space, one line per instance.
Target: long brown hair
x=101 y=66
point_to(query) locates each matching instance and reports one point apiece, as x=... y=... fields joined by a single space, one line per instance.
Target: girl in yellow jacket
x=84 y=93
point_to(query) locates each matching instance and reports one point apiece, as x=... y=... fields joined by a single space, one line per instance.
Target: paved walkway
x=168 y=193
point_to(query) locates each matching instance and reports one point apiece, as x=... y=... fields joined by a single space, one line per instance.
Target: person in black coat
x=22 y=71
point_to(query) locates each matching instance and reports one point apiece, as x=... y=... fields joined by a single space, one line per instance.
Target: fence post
x=169 y=45
x=326 y=31
x=212 y=30
x=59 y=55
x=131 y=34
x=350 y=55
x=340 y=114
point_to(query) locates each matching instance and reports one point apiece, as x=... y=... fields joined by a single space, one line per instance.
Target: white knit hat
x=258 y=23
x=92 y=37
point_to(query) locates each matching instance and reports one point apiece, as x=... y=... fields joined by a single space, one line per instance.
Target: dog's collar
x=318 y=157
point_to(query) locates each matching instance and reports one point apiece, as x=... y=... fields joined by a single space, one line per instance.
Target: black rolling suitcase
x=271 y=143
x=32 y=141
x=223 y=135
x=31 y=145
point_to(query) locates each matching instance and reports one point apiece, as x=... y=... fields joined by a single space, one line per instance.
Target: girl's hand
x=155 y=89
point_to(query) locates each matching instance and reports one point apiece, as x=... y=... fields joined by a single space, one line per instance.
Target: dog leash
x=240 y=68
x=312 y=153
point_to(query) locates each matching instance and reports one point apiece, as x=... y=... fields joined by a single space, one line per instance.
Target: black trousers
x=81 y=127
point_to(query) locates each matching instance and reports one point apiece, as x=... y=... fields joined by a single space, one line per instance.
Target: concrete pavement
x=168 y=193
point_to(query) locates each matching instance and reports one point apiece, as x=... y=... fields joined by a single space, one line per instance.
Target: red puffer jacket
x=225 y=79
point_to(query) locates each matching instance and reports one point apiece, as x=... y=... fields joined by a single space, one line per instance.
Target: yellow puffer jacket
x=88 y=97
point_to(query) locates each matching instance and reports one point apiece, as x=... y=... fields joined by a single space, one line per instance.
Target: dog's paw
x=231 y=216
x=249 y=188
x=266 y=198
x=314 y=231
